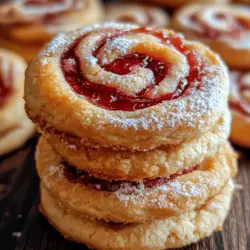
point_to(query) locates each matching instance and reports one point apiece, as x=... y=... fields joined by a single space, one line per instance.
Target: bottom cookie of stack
x=176 y=231
x=165 y=212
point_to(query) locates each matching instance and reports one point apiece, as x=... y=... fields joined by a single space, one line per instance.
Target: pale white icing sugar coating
x=30 y=11
x=135 y=82
x=61 y=41
x=92 y=49
x=219 y=22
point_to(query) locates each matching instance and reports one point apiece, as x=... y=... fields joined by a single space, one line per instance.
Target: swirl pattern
x=240 y=92
x=226 y=29
x=129 y=78
x=219 y=23
x=44 y=11
x=134 y=124
x=26 y=25
x=124 y=73
x=139 y=14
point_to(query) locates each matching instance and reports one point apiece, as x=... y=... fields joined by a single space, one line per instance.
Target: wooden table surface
x=22 y=227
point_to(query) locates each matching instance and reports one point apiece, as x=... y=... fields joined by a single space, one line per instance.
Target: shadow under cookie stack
x=134 y=151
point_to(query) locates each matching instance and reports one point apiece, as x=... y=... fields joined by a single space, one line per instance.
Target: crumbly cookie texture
x=134 y=151
x=175 y=109
x=127 y=165
x=129 y=204
x=174 y=232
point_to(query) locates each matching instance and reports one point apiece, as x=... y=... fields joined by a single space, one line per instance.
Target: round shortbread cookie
x=126 y=87
x=174 y=232
x=135 y=202
x=163 y=161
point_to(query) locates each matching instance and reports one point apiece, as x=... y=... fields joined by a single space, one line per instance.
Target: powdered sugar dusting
x=197 y=110
x=120 y=46
x=189 y=110
x=53 y=170
x=169 y=195
x=58 y=42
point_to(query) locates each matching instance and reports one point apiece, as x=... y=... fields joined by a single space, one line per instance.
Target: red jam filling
x=4 y=91
x=75 y=175
x=240 y=106
x=50 y=17
x=243 y=106
x=150 y=20
x=45 y=19
x=5 y=88
x=111 y=99
x=238 y=26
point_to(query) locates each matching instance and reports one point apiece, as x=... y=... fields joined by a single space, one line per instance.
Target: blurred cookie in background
x=226 y=29
x=141 y=14
x=239 y=102
x=27 y=25
x=177 y=3
x=15 y=127
x=242 y=1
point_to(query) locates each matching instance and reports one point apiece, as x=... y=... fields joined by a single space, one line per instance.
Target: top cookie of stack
x=138 y=122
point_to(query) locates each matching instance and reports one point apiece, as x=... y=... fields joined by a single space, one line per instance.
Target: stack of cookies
x=134 y=151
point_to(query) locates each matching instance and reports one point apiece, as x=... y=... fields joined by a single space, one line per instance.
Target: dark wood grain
x=22 y=227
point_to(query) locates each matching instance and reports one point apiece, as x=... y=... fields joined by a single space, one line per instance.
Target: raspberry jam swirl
x=139 y=14
x=21 y=12
x=218 y=22
x=240 y=92
x=132 y=69
x=5 y=79
x=75 y=175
